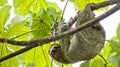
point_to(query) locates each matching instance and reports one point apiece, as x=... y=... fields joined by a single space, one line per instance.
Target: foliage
x=37 y=17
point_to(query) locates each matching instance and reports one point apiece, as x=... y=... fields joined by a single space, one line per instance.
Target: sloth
x=83 y=45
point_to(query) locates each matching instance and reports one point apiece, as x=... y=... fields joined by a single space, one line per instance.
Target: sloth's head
x=55 y=52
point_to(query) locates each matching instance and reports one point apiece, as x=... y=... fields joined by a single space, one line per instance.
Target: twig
x=40 y=42
x=64 y=9
x=27 y=33
x=103 y=4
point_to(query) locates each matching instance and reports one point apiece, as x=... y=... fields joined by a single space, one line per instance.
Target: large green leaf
x=44 y=19
x=53 y=5
x=37 y=55
x=50 y=11
x=115 y=52
x=43 y=4
x=3 y=2
x=17 y=27
x=4 y=16
x=9 y=62
x=106 y=50
x=97 y=63
x=4 y=49
x=42 y=23
x=38 y=5
x=115 y=45
x=23 y=7
x=115 y=59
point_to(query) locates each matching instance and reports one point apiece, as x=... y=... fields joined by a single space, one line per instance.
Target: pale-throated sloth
x=82 y=45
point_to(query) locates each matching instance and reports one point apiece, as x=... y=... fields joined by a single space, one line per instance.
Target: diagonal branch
x=39 y=42
x=95 y=7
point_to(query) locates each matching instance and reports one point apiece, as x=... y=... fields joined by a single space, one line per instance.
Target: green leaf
x=53 y=5
x=38 y=5
x=17 y=3
x=43 y=4
x=37 y=55
x=9 y=62
x=106 y=50
x=3 y=2
x=85 y=64
x=115 y=59
x=115 y=45
x=50 y=11
x=42 y=23
x=22 y=6
x=13 y=62
x=118 y=32
x=17 y=27
x=119 y=63
x=40 y=12
x=33 y=64
x=4 y=16
x=97 y=63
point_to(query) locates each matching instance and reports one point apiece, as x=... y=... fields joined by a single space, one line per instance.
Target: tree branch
x=39 y=42
x=95 y=7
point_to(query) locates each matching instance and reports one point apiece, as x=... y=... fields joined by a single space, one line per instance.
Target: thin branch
x=95 y=7
x=27 y=33
x=40 y=42
x=64 y=9
x=104 y=4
